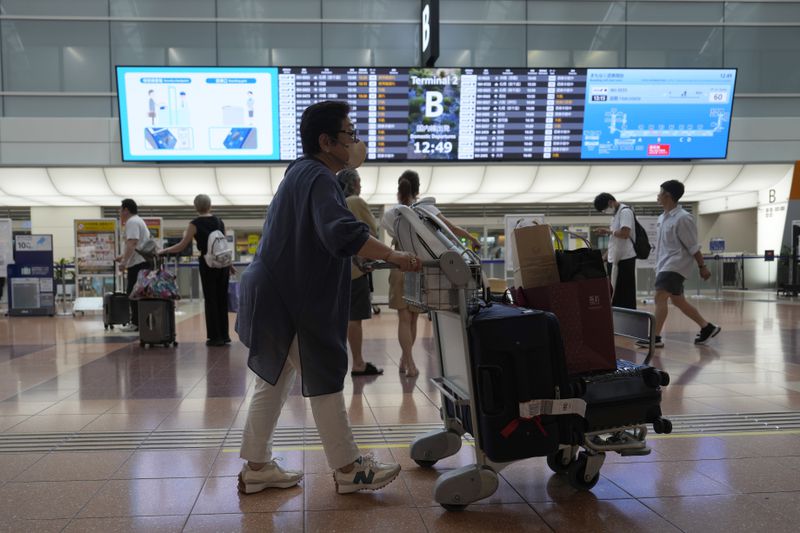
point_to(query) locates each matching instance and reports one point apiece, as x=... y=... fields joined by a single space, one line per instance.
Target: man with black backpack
x=621 y=249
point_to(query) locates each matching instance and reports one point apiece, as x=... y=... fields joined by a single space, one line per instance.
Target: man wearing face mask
x=294 y=306
x=621 y=254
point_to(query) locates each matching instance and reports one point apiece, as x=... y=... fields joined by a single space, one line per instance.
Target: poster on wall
x=95 y=246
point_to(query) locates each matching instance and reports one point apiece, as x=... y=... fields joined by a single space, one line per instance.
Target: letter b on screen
x=433 y=104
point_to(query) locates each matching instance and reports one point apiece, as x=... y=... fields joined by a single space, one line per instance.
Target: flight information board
x=436 y=113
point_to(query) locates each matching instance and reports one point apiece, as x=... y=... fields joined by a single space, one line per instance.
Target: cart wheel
x=111 y=326
x=454 y=506
x=105 y=326
x=576 y=474
x=662 y=425
x=556 y=462
x=424 y=464
x=376 y=310
x=664 y=378
x=174 y=343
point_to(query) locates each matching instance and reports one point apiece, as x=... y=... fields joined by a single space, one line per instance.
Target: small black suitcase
x=630 y=395
x=516 y=356
x=116 y=309
x=157 y=322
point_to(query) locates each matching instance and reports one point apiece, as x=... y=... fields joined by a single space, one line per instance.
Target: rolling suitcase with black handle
x=629 y=396
x=116 y=309
x=157 y=322
x=517 y=357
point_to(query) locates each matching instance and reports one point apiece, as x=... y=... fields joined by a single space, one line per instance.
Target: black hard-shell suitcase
x=116 y=309
x=157 y=322
x=630 y=395
x=516 y=356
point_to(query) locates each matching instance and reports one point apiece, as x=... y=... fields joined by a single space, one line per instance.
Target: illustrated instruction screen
x=198 y=114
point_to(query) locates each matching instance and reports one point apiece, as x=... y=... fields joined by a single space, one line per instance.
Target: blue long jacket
x=299 y=281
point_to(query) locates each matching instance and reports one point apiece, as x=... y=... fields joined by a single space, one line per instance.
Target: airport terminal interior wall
x=57 y=78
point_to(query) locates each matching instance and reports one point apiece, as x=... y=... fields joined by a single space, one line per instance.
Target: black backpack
x=642 y=243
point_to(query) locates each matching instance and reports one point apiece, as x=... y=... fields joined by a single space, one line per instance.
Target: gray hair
x=202 y=203
x=347 y=180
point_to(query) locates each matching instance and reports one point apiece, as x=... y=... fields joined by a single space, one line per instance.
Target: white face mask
x=608 y=211
x=357 y=154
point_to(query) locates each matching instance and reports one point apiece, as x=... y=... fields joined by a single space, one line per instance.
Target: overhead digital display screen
x=644 y=113
x=429 y=113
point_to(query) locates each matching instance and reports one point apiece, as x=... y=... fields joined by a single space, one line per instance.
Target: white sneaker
x=129 y=328
x=367 y=474
x=270 y=476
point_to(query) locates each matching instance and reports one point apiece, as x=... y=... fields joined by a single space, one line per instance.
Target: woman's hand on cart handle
x=407 y=262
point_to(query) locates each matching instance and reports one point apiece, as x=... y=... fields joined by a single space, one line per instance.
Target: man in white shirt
x=677 y=253
x=621 y=255
x=135 y=235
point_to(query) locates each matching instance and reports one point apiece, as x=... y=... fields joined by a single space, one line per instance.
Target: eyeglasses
x=352 y=134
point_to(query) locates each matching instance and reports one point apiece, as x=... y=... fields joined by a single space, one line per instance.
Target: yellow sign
x=252 y=243
x=96 y=226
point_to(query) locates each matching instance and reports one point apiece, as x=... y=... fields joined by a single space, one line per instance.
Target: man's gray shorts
x=672 y=282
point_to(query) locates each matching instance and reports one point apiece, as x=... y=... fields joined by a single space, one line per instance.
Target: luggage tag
x=563 y=406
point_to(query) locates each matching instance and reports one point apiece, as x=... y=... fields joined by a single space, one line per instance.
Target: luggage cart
x=450 y=287
x=456 y=290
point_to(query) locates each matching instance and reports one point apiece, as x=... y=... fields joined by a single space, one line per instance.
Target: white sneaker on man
x=270 y=476
x=367 y=474
x=129 y=328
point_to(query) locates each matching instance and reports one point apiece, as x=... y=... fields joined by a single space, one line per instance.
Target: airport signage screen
x=429 y=113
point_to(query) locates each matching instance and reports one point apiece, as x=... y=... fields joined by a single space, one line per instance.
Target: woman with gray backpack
x=216 y=265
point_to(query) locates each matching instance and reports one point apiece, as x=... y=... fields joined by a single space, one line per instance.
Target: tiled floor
x=65 y=376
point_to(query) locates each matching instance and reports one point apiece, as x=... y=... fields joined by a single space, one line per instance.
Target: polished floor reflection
x=98 y=434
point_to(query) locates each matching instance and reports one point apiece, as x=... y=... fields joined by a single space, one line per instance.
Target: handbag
x=148 y=249
x=158 y=283
x=583 y=263
x=583 y=309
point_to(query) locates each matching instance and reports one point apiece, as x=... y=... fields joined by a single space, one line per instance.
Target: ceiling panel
x=652 y=176
x=759 y=177
x=610 y=178
x=192 y=181
x=80 y=182
x=482 y=198
x=254 y=199
x=26 y=182
x=559 y=178
x=243 y=181
x=61 y=201
x=453 y=180
x=711 y=177
x=508 y=179
x=135 y=182
x=16 y=201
